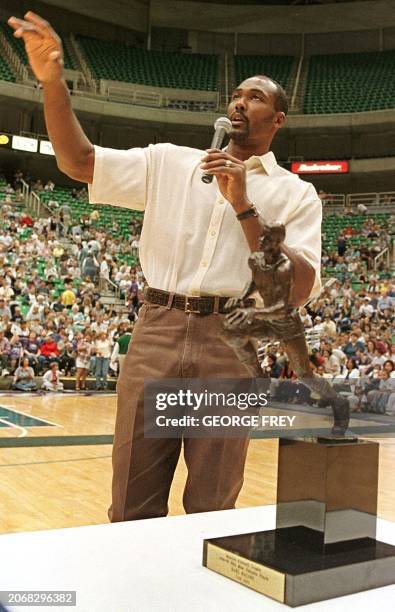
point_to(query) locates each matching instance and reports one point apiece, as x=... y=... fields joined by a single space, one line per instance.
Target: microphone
x=222 y=126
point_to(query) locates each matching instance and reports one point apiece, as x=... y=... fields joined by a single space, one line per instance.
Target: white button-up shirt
x=191 y=241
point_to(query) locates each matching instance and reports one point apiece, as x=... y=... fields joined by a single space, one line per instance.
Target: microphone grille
x=223 y=122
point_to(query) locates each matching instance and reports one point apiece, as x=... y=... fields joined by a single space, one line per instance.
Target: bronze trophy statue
x=277 y=320
x=324 y=544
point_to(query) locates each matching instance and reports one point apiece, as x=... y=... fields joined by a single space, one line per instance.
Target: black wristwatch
x=250 y=212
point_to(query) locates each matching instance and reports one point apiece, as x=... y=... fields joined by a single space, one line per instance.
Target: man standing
x=104 y=274
x=194 y=249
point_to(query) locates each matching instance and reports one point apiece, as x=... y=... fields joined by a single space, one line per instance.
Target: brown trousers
x=172 y=344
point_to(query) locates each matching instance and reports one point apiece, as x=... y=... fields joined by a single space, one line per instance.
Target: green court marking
x=10 y=417
x=108 y=439
x=55 y=441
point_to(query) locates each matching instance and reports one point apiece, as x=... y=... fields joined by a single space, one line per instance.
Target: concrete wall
x=82 y=18
x=273 y=19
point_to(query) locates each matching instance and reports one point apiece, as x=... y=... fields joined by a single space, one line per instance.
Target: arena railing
x=383 y=256
x=25 y=191
x=372 y=199
x=20 y=70
x=146 y=95
x=333 y=202
x=87 y=74
x=374 y=202
x=36 y=206
x=105 y=284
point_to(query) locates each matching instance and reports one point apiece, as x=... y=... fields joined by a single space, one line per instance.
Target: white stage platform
x=153 y=566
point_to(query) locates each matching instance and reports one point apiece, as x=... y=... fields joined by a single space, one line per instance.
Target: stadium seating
x=336 y=83
x=122 y=62
x=332 y=227
x=19 y=48
x=6 y=73
x=278 y=67
x=349 y=83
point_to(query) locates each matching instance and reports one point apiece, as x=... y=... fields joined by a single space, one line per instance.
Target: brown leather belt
x=198 y=305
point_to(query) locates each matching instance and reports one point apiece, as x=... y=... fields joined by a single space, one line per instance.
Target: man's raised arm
x=74 y=152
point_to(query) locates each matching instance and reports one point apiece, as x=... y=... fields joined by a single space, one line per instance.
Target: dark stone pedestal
x=324 y=543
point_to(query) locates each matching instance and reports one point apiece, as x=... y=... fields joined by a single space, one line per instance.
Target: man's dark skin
x=252 y=110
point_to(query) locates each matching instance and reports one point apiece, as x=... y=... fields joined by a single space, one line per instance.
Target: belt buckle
x=187 y=308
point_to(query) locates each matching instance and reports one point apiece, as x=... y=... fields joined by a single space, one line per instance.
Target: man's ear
x=279 y=119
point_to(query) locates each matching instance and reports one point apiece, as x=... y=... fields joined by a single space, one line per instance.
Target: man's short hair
x=281 y=98
x=281 y=103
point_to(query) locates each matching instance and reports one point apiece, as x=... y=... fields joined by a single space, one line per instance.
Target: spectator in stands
x=65 y=218
x=366 y=308
x=353 y=345
x=329 y=326
x=306 y=318
x=103 y=354
x=31 y=349
x=38 y=185
x=385 y=302
x=332 y=364
x=67 y=359
x=5 y=311
x=341 y=245
x=51 y=379
x=48 y=352
x=5 y=349
x=16 y=353
x=83 y=357
x=94 y=217
x=24 y=377
x=104 y=272
x=352 y=370
x=362 y=209
x=90 y=266
x=123 y=343
x=34 y=313
x=68 y=296
x=49 y=186
x=270 y=366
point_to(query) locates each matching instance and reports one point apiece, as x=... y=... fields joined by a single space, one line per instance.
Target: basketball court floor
x=55 y=461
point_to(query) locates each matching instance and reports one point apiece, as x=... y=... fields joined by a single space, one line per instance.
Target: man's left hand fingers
x=213 y=154
x=221 y=164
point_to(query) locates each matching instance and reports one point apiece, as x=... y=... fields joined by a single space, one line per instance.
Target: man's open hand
x=43 y=46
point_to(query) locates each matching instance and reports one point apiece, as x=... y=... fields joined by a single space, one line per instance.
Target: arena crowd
x=52 y=269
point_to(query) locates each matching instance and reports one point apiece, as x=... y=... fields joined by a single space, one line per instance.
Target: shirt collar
x=267 y=161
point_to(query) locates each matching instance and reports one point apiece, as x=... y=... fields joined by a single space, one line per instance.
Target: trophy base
x=267 y=562
x=346 y=439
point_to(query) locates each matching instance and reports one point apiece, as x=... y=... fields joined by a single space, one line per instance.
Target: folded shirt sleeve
x=120 y=177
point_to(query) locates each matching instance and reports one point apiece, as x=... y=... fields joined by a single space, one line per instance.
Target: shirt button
x=213 y=233
x=221 y=200
x=204 y=264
